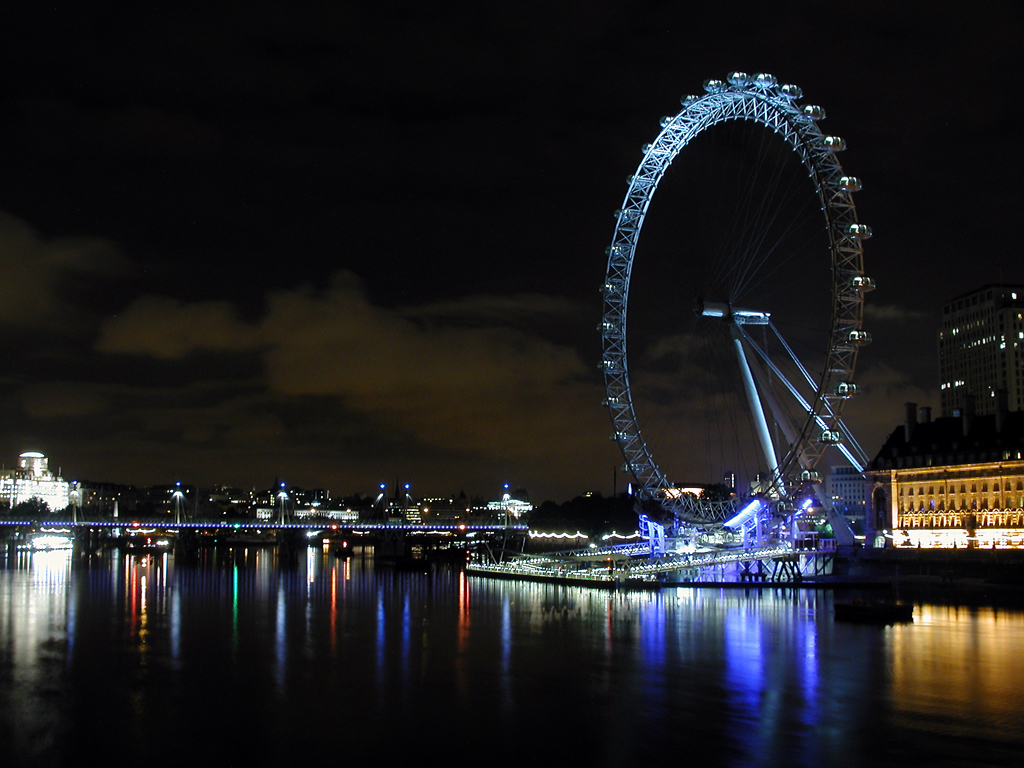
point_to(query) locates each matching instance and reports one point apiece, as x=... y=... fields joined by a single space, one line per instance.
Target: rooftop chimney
x=1002 y=409
x=924 y=414
x=910 y=420
x=968 y=414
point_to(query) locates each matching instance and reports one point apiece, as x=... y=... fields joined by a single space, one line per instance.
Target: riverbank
x=993 y=566
x=972 y=576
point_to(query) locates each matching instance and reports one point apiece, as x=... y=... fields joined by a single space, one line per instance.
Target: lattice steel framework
x=760 y=99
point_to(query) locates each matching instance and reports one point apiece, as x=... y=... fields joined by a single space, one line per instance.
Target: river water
x=238 y=660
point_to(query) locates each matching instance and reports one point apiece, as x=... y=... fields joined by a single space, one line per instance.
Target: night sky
x=349 y=243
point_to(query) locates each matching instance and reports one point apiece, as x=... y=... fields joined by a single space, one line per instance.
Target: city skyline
x=341 y=248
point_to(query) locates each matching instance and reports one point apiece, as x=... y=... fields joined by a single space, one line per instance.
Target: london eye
x=741 y=307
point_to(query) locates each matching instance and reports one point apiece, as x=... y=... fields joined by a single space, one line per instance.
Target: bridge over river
x=390 y=538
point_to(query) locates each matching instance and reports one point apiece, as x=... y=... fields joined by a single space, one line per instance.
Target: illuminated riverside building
x=981 y=349
x=33 y=480
x=957 y=481
x=508 y=507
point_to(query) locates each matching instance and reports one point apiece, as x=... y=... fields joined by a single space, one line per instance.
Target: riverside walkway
x=631 y=564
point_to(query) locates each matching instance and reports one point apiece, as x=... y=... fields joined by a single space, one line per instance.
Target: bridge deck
x=307 y=525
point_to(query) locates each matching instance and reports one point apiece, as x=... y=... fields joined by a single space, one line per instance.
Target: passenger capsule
x=665 y=121
x=847 y=389
x=859 y=231
x=613 y=366
x=810 y=476
x=859 y=338
x=764 y=80
x=830 y=437
x=646 y=148
x=863 y=283
x=793 y=92
x=814 y=112
x=714 y=86
x=835 y=143
x=611 y=288
x=849 y=183
x=738 y=78
x=688 y=99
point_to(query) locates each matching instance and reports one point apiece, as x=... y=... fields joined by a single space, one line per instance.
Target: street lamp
x=177 y=497
x=75 y=497
x=282 y=496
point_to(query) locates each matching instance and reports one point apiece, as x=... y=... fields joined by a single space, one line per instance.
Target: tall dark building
x=847 y=489
x=981 y=349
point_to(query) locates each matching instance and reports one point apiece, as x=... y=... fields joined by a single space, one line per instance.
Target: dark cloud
x=455 y=377
x=171 y=329
x=879 y=408
x=39 y=276
x=882 y=313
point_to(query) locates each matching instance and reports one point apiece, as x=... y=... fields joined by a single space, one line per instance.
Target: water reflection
x=958 y=670
x=344 y=646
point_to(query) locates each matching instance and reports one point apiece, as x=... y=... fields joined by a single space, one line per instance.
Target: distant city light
x=51 y=541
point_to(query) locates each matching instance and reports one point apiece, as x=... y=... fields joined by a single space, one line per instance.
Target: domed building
x=33 y=480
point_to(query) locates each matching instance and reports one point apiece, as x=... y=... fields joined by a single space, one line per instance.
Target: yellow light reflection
x=959 y=665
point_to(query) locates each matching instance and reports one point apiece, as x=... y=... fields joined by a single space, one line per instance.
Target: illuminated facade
x=509 y=507
x=33 y=480
x=952 y=482
x=981 y=350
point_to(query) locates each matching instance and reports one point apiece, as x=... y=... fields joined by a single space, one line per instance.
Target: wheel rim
x=761 y=101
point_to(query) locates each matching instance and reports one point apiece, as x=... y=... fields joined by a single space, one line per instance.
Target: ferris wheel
x=774 y=291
